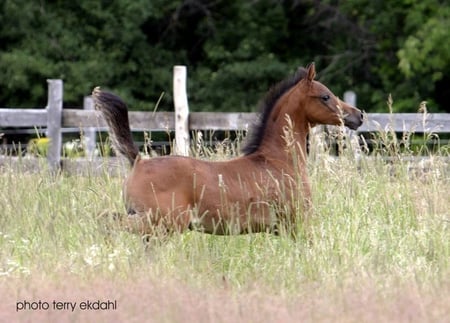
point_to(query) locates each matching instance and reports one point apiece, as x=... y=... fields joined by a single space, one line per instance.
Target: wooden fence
x=54 y=119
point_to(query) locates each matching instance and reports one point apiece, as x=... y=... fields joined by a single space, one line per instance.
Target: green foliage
x=427 y=51
x=38 y=147
x=234 y=50
x=85 y=43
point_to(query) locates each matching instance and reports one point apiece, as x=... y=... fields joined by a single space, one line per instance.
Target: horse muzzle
x=354 y=120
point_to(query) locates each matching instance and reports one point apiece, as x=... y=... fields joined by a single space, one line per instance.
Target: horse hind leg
x=156 y=227
x=108 y=223
x=129 y=221
x=153 y=226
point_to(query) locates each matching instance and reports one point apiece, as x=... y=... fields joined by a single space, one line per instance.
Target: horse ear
x=311 y=70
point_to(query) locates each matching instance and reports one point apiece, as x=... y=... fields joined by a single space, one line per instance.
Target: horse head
x=321 y=106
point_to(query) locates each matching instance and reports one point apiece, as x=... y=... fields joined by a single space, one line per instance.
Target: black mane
x=256 y=134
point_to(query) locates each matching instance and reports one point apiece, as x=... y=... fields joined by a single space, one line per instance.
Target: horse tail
x=115 y=112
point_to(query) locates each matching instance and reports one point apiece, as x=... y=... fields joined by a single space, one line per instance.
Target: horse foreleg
x=298 y=213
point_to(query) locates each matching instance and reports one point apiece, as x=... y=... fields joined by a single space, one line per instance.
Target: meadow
x=379 y=252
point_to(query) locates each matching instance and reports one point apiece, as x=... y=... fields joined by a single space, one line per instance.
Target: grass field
x=380 y=252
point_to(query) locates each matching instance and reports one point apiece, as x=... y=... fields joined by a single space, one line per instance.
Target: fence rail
x=54 y=119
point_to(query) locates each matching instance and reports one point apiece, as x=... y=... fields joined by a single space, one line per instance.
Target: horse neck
x=284 y=140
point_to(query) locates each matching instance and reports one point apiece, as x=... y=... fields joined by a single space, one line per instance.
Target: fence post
x=54 y=118
x=181 y=111
x=350 y=98
x=89 y=132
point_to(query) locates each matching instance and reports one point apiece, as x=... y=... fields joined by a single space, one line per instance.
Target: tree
x=387 y=47
x=234 y=50
x=85 y=43
x=425 y=54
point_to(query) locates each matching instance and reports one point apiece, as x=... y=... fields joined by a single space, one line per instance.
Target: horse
x=265 y=189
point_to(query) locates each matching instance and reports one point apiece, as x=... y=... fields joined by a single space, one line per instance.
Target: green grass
x=377 y=224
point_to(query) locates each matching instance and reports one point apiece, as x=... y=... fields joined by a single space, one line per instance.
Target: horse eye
x=325 y=97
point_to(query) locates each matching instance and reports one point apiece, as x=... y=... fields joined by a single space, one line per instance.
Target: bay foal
x=263 y=190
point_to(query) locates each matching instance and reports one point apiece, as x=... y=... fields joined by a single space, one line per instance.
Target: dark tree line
x=235 y=50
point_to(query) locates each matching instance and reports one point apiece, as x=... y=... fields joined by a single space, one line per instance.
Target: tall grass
x=376 y=223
